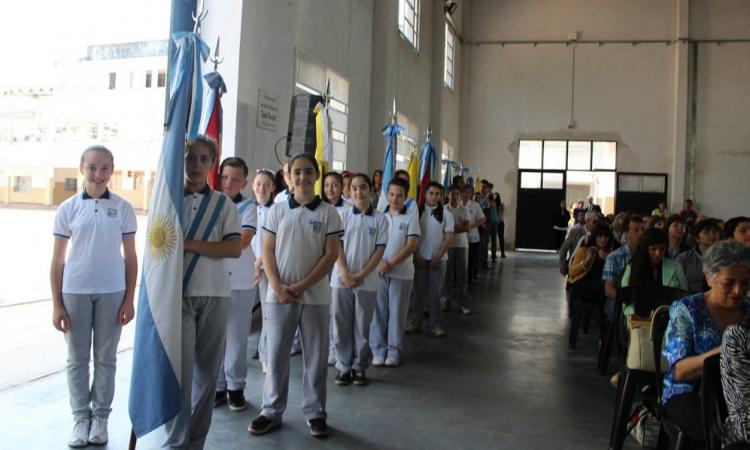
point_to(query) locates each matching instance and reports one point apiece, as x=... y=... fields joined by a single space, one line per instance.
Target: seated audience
x=688 y=213
x=738 y=228
x=696 y=324
x=648 y=265
x=706 y=234
x=675 y=228
x=661 y=210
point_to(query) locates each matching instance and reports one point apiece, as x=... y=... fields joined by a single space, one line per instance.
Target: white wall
x=622 y=92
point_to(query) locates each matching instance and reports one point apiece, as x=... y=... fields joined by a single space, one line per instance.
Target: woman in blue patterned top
x=696 y=324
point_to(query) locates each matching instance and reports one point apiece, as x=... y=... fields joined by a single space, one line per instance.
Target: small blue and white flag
x=391 y=132
x=155 y=382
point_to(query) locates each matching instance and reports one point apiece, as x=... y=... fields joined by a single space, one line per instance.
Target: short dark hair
x=400 y=172
x=732 y=224
x=601 y=230
x=633 y=218
x=307 y=157
x=400 y=182
x=335 y=175
x=202 y=139
x=704 y=225
x=237 y=163
x=365 y=177
x=454 y=187
x=435 y=184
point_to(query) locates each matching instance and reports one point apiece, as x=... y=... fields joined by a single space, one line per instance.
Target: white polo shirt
x=341 y=206
x=364 y=232
x=301 y=233
x=257 y=242
x=460 y=215
x=475 y=215
x=433 y=232
x=281 y=196
x=210 y=277
x=242 y=270
x=401 y=226
x=95 y=227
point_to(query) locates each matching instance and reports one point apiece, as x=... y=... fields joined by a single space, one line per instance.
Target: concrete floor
x=503 y=379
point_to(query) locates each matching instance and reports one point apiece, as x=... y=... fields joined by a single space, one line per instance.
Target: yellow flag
x=319 y=145
x=413 y=170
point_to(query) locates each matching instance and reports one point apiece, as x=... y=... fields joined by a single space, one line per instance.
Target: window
x=567 y=155
x=407 y=142
x=21 y=184
x=112 y=80
x=530 y=155
x=161 y=81
x=312 y=77
x=71 y=184
x=149 y=75
x=408 y=21
x=554 y=155
x=450 y=54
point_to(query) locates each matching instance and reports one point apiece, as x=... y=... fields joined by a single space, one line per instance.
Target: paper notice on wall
x=268 y=110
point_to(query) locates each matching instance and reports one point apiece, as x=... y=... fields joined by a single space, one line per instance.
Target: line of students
x=335 y=273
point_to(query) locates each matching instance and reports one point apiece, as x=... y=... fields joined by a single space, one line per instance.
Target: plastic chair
x=713 y=405
x=645 y=299
x=659 y=323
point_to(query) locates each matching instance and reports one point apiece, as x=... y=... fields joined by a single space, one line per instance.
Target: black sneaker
x=256 y=355
x=236 y=400
x=262 y=425
x=344 y=377
x=359 y=378
x=318 y=427
x=220 y=398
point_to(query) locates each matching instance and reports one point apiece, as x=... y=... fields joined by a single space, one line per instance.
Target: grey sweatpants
x=352 y=315
x=233 y=367
x=455 y=276
x=262 y=346
x=97 y=314
x=427 y=285
x=389 y=320
x=204 y=326
x=281 y=323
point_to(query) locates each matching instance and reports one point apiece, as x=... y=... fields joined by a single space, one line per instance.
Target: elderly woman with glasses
x=696 y=325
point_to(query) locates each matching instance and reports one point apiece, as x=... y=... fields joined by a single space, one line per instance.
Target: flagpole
x=394 y=138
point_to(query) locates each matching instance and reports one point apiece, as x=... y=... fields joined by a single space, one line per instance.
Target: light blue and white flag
x=155 y=382
x=448 y=178
x=391 y=132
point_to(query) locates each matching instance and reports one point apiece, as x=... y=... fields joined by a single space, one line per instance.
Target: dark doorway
x=640 y=192
x=539 y=196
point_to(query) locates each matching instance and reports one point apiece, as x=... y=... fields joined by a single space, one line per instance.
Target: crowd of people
x=706 y=258
x=336 y=278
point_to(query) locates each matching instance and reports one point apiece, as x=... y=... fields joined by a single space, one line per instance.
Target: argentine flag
x=391 y=132
x=155 y=382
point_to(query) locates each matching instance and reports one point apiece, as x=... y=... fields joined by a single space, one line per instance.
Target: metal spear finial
x=199 y=16
x=216 y=59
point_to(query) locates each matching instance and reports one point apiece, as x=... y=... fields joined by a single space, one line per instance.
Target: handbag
x=640 y=348
x=644 y=426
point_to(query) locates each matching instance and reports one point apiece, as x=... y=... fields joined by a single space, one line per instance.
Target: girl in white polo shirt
x=333 y=185
x=93 y=290
x=300 y=246
x=355 y=283
x=430 y=260
x=263 y=187
x=230 y=384
x=457 y=268
x=396 y=271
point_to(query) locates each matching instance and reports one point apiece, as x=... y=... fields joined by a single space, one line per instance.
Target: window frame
x=408 y=14
x=449 y=60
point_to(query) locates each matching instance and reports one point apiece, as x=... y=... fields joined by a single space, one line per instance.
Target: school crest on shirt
x=316 y=225
x=112 y=212
x=403 y=227
x=371 y=231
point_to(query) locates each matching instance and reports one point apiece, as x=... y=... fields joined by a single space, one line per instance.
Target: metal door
x=538 y=200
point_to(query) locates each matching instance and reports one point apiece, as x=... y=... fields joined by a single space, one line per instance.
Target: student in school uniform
x=396 y=271
x=281 y=197
x=93 y=291
x=346 y=182
x=212 y=233
x=410 y=203
x=333 y=184
x=457 y=268
x=430 y=260
x=263 y=188
x=476 y=220
x=230 y=384
x=354 y=283
x=300 y=246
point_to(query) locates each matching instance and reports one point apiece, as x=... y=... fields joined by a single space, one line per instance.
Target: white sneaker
x=438 y=331
x=465 y=311
x=98 y=434
x=378 y=361
x=392 y=361
x=80 y=436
